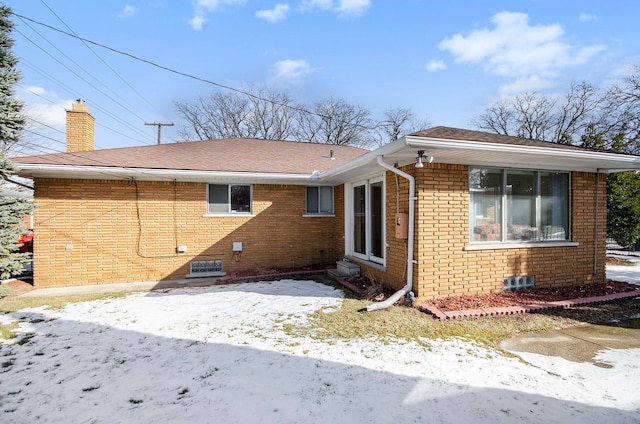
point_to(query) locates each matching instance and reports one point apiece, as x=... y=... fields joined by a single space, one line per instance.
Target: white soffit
x=522 y=156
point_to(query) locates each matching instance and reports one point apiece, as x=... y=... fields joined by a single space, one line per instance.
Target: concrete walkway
x=120 y=287
x=159 y=285
x=578 y=344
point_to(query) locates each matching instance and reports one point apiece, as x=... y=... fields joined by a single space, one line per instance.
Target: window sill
x=233 y=215
x=491 y=246
x=318 y=215
x=374 y=265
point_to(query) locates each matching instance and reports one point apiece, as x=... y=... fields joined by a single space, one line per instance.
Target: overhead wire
x=174 y=71
x=102 y=60
x=85 y=80
x=107 y=112
x=76 y=66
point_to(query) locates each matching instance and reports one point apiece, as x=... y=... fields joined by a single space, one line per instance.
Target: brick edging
x=510 y=310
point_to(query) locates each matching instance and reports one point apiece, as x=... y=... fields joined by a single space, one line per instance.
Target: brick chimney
x=80 y=123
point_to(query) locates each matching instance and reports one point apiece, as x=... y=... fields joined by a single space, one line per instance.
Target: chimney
x=80 y=125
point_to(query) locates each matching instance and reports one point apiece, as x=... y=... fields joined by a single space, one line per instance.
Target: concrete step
x=345 y=269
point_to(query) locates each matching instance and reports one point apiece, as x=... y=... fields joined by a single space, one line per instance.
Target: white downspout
x=412 y=206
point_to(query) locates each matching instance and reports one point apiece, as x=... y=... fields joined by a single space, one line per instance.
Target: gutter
x=406 y=290
x=149 y=174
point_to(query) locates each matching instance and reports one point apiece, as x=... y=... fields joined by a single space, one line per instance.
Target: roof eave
x=147 y=174
x=506 y=155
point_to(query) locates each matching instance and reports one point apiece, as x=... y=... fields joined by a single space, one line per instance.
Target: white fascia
x=368 y=158
x=148 y=174
x=622 y=162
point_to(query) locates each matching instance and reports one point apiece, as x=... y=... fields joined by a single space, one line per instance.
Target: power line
x=105 y=111
x=102 y=60
x=159 y=127
x=165 y=68
x=79 y=76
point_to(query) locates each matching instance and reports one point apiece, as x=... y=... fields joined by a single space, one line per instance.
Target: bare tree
x=497 y=118
x=533 y=116
x=260 y=113
x=334 y=121
x=621 y=112
x=396 y=123
x=576 y=113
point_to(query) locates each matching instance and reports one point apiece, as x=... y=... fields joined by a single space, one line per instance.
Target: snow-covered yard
x=220 y=355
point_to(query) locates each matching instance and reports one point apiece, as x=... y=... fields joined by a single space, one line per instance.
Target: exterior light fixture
x=422 y=158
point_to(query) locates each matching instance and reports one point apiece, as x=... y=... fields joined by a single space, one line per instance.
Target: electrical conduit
x=412 y=206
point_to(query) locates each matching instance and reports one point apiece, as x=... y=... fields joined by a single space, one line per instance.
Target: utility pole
x=159 y=127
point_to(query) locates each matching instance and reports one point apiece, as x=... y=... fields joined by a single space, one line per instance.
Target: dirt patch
x=19 y=287
x=529 y=297
x=619 y=261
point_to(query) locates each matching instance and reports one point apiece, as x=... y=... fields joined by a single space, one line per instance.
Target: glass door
x=368 y=220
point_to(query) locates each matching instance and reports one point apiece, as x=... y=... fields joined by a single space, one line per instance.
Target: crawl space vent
x=522 y=282
x=205 y=269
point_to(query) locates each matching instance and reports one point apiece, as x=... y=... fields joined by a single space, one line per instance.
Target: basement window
x=228 y=198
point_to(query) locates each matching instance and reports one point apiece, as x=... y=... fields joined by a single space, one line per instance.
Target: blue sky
x=446 y=61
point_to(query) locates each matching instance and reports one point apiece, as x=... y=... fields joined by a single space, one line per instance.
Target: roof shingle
x=230 y=155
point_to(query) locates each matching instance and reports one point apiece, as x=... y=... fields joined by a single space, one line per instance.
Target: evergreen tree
x=623 y=192
x=623 y=207
x=12 y=209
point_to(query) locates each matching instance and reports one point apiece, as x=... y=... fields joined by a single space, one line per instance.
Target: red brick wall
x=112 y=237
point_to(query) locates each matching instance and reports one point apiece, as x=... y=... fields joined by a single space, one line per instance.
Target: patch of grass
x=4 y=291
x=411 y=324
x=13 y=304
x=7 y=331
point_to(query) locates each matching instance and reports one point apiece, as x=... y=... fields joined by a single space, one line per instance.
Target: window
x=228 y=198
x=366 y=237
x=518 y=205
x=320 y=200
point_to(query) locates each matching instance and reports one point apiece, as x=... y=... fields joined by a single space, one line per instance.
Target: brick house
x=439 y=212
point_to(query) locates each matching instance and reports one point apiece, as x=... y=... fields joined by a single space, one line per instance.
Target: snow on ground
x=220 y=354
x=629 y=274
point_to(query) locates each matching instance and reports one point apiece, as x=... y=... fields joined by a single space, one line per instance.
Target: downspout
x=412 y=199
x=595 y=236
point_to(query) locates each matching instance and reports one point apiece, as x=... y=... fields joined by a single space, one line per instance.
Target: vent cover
x=522 y=282
x=206 y=269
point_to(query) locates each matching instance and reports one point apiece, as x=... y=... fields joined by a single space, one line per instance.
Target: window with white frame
x=228 y=198
x=511 y=205
x=320 y=200
x=365 y=203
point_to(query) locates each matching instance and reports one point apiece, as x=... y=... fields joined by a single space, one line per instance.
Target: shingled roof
x=225 y=155
x=448 y=133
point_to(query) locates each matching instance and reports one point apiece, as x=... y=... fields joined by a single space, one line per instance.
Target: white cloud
x=515 y=49
x=202 y=7
x=197 y=21
x=289 y=69
x=342 y=7
x=127 y=12
x=35 y=90
x=274 y=15
x=289 y=74
x=353 y=7
x=527 y=85
x=43 y=108
x=588 y=17
x=436 y=65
